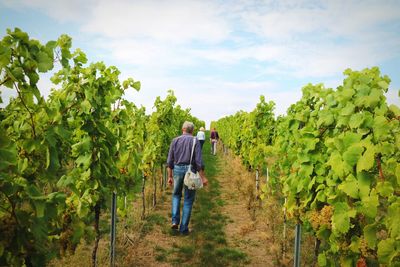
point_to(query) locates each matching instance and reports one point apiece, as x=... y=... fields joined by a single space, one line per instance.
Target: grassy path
x=206 y=245
x=209 y=221
x=226 y=227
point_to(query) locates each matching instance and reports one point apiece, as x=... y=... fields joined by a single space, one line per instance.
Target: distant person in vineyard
x=201 y=136
x=178 y=163
x=214 y=137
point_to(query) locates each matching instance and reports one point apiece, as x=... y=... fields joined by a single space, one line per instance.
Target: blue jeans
x=179 y=175
x=202 y=143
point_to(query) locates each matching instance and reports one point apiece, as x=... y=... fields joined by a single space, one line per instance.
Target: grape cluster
x=364 y=248
x=314 y=219
x=326 y=216
x=382 y=234
x=322 y=217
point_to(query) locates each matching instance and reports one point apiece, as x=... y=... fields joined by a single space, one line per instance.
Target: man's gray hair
x=188 y=126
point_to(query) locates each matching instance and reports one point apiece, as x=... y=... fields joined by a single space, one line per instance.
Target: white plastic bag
x=193 y=180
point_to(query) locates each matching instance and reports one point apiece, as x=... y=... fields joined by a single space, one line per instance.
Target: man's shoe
x=174 y=226
x=185 y=232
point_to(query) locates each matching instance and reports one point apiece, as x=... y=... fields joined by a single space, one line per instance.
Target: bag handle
x=191 y=155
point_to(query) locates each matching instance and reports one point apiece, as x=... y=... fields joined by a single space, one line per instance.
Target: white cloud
x=301 y=39
x=309 y=60
x=280 y=20
x=60 y=10
x=324 y=38
x=145 y=53
x=260 y=52
x=164 y=21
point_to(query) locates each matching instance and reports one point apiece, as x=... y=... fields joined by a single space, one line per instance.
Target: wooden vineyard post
x=154 y=188
x=257 y=182
x=162 y=187
x=165 y=177
x=143 y=197
x=284 y=229
x=113 y=227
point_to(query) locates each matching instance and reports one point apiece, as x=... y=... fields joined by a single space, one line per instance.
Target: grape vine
x=336 y=160
x=63 y=156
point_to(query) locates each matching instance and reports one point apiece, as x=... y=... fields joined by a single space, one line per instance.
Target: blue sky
x=220 y=56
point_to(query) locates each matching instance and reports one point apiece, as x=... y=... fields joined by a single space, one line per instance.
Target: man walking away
x=178 y=163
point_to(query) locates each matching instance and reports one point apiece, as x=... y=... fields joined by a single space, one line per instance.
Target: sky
x=220 y=56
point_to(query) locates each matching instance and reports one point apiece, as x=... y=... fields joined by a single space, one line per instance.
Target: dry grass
x=256 y=226
x=245 y=230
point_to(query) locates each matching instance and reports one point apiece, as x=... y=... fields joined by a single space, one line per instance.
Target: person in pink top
x=214 y=137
